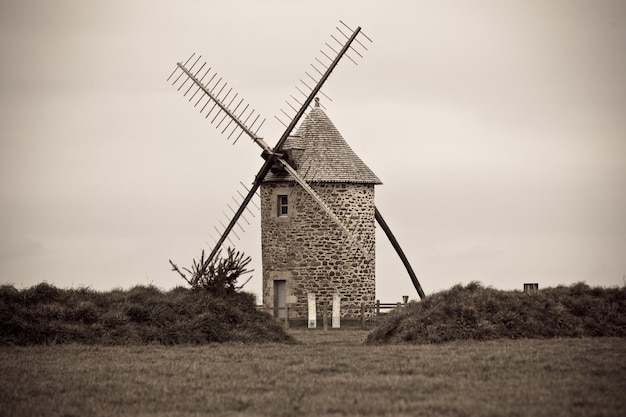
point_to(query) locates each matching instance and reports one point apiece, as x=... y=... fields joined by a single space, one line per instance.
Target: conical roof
x=322 y=155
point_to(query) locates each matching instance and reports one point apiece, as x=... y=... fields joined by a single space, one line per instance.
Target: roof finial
x=317 y=101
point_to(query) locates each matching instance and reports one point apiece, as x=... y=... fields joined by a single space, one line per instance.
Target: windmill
x=283 y=162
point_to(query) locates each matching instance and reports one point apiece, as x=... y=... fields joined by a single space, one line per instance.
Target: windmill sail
x=215 y=93
x=228 y=113
x=215 y=98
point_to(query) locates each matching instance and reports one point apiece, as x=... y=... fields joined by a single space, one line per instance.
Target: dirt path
x=330 y=337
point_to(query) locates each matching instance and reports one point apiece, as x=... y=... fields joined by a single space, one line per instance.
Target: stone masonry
x=307 y=250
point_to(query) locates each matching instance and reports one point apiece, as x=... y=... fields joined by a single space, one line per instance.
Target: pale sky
x=497 y=128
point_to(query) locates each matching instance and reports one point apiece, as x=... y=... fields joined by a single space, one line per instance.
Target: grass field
x=328 y=373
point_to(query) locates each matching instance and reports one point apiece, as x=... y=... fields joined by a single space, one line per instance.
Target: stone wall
x=311 y=253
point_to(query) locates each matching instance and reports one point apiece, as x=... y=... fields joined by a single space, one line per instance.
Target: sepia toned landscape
x=347 y=371
x=430 y=223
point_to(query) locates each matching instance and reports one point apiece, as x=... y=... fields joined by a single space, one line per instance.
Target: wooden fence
x=377 y=308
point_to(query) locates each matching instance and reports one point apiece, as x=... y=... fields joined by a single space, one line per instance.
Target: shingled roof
x=322 y=155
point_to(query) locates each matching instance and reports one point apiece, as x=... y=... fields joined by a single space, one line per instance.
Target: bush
x=9 y=294
x=141 y=294
x=217 y=276
x=42 y=293
x=44 y=314
x=85 y=312
x=478 y=313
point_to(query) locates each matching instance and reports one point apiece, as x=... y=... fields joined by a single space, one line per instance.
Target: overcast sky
x=497 y=128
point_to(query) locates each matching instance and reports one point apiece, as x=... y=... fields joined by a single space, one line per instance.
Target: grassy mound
x=478 y=313
x=44 y=314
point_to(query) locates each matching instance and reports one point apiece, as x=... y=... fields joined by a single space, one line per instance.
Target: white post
x=312 y=312
x=336 y=310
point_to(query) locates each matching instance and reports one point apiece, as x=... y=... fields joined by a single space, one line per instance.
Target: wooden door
x=280 y=298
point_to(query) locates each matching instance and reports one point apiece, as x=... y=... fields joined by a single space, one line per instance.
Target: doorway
x=280 y=298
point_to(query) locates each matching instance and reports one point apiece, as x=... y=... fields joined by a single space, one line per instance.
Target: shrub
x=85 y=312
x=8 y=294
x=42 y=293
x=478 y=313
x=144 y=295
x=218 y=275
x=47 y=315
x=137 y=313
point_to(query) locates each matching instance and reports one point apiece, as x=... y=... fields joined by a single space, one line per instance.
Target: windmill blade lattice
x=215 y=101
x=213 y=96
x=229 y=215
x=342 y=44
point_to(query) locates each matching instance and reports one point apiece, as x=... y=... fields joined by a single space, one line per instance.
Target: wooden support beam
x=400 y=252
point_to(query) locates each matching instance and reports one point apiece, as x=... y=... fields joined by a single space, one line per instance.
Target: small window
x=283 y=206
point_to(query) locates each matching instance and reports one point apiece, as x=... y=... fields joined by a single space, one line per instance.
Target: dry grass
x=477 y=313
x=328 y=373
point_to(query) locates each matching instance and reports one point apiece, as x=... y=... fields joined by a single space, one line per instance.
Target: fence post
x=312 y=310
x=325 y=315
x=378 y=307
x=286 y=316
x=362 y=315
x=336 y=312
x=405 y=299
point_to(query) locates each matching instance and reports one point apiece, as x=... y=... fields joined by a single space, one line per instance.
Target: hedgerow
x=44 y=314
x=474 y=312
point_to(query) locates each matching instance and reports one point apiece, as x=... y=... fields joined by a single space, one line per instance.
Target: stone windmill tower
x=317 y=196
x=304 y=251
